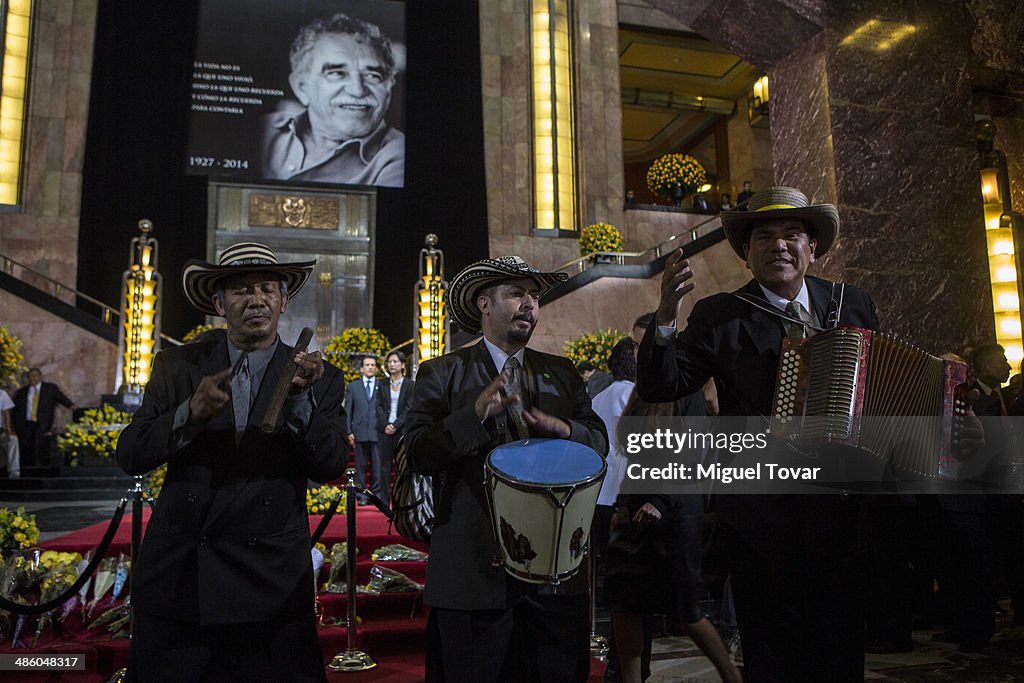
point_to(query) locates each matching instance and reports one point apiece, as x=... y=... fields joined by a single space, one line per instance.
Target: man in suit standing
x=484 y=624
x=793 y=565
x=361 y=398
x=223 y=586
x=34 y=408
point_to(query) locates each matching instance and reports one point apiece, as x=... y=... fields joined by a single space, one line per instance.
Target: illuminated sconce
x=139 y=338
x=757 y=103
x=554 y=154
x=1001 y=232
x=431 y=332
x=13 y=85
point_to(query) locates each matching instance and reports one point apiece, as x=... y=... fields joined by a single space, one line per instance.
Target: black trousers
x=537 y=638
x=367 y=454
x=796 y=586
x=181 y=652
x=32 y=442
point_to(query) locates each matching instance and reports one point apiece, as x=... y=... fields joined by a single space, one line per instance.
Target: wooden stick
x=284 y=382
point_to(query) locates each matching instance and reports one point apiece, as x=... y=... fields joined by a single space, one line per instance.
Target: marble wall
x=43 y=232
x=883 y=127
x=505 y=65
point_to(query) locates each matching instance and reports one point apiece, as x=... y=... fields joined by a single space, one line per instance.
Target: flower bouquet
x=595 y=347
x=675 y=175
x=396 y=552
x=95 y=433
x=602 y=237
x=10 y=356
x=319 y=499
x=347 y=348
x=18 y=530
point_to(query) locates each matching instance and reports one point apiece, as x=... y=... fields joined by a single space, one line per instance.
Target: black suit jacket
x=738 y=344
x=384 y=405
x=445 y=437
x=49 y=396
x=228 y=541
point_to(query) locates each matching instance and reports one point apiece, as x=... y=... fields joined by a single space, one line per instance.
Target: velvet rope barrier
x=322 y=526
x=101 y=550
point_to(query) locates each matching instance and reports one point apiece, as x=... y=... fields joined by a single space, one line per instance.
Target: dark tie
x=369 y=391
x=513 y=387
x=241 y=393
x=997 y=397
x=794 y=309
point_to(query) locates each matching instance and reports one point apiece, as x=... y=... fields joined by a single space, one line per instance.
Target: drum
x=542 y=494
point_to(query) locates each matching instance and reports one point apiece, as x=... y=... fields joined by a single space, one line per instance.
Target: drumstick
x=284 y=382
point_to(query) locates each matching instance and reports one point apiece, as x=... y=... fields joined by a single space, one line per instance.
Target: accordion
x=871 y=391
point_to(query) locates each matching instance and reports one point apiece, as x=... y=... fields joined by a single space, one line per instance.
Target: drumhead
x=549 y=462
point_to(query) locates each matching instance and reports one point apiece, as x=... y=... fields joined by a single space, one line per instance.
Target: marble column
x=871 y=108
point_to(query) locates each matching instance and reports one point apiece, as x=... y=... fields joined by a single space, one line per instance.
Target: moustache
x=256 y=313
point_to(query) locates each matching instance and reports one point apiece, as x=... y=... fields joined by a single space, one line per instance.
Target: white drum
x=542 y=494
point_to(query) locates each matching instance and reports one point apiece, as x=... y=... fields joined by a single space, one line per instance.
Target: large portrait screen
x=303 y=92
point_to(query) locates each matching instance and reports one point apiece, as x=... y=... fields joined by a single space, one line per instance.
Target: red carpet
x=392 y=629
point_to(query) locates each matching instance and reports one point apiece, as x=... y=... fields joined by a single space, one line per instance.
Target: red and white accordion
x=872 y=391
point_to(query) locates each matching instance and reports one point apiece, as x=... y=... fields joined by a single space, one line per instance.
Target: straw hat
x=462 y=293
x=200 y=279
x=778 y=203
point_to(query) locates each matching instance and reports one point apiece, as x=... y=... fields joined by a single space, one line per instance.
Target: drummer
x=484 y=624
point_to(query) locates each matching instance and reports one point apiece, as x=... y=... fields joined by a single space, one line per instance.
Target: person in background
x=595 y=379
x=392 y=406
x=743 y=197
x=9 y=438
x=654 y=559
x=725 y=202
x=361 y=397
x=35 y=405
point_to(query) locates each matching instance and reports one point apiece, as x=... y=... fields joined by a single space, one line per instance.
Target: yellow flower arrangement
x=155 y=481
x=199 y=330
x=18 y=530
x=94 y=433
x=318 y=500
x=346 y=350
x=600 y=237
x=62 y=571
x=595 y=347
x=675 y=170
x=10 y=356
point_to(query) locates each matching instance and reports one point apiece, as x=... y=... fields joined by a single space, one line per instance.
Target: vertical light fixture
x=757 y=103
x=140 y=315
x=431 y=330
x=554 y=157
x=17 y=26
x=1004 y=244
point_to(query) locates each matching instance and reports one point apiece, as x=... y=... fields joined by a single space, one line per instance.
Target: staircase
x=636 y=265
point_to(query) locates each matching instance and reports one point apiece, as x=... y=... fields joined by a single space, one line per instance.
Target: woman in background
x=391 y=411
x=654 y=558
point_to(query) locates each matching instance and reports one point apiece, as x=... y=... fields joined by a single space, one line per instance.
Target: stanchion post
x=351 y=659
x=598 y=643
x=136 y=491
